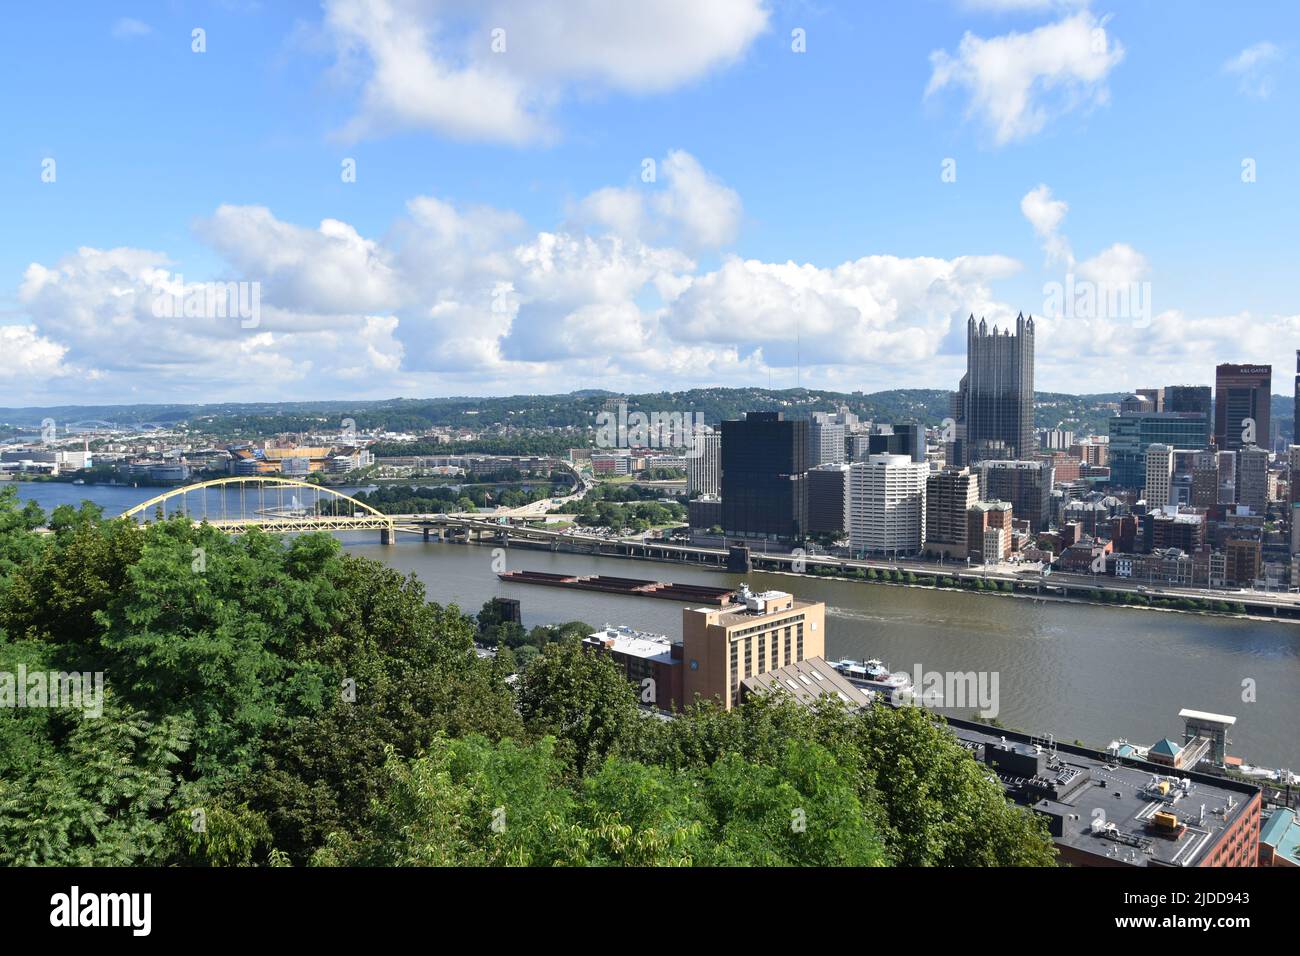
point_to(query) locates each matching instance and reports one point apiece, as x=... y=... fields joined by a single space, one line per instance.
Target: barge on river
x=635 y=587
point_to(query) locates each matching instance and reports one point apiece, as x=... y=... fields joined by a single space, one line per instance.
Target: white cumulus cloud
x=461 y=299
x=1045 y=214
x=684 y=204
x=29 y=356
x=496 y=70
x=1016 y=83
x=1253 y=68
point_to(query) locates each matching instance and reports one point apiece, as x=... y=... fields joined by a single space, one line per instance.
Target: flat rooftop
x=734 y=614
x=624 y=640
x=1069 y=784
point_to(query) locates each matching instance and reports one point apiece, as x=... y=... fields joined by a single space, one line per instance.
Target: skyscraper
x=702 y=471
x=1241 y=406
x=887 y=505
x=826 y=435
x=996 y=395
x=828 y=500
x=1205 y=479
x=1252 y=478
x=902 y=439
x=1295 y=420
x=764 y=485
x=1227 y=477
x=1293 y=475
x=1026 y=484
x=1159 y=477
x=1193 y=399
x=1131 y=433
x=949 y=495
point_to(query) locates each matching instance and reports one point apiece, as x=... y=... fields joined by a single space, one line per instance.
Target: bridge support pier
x=426 y=534
x=388 y=536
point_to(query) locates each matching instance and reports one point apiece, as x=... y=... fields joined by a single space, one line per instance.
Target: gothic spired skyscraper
x=996 y=397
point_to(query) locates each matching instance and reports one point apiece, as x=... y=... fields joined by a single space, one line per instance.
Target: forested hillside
x=576 y=410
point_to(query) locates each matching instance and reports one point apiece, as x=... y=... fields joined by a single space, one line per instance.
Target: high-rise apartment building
x=1159 y=475
x=949 y=495
x=703 y=472
x=996 y=395
x=762 y=632
x=764 y=481
x=1026 y=484
x=1241 y=406
x=887 y=505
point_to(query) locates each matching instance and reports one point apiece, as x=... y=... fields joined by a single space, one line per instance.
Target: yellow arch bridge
x=272 y=504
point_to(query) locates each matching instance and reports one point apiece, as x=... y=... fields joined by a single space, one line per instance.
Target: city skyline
x=423 y=206
x=634 y=434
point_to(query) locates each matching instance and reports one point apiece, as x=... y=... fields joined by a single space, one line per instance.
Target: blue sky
x=499 y=236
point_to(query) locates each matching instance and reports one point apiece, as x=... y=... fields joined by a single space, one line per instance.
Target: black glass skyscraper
x=905 y=439
x=1192 y=398
x=997 y=392
x=764 y=480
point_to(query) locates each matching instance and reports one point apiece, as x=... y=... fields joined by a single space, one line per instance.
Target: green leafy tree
x=582 y=698
x=940 y=808
x=98 y=797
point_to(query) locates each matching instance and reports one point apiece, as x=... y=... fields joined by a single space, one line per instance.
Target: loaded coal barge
x=634 y=587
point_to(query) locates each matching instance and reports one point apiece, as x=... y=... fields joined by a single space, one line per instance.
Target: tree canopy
x=271 y=702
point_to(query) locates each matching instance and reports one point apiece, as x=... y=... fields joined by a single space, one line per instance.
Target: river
x=1073 y=670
